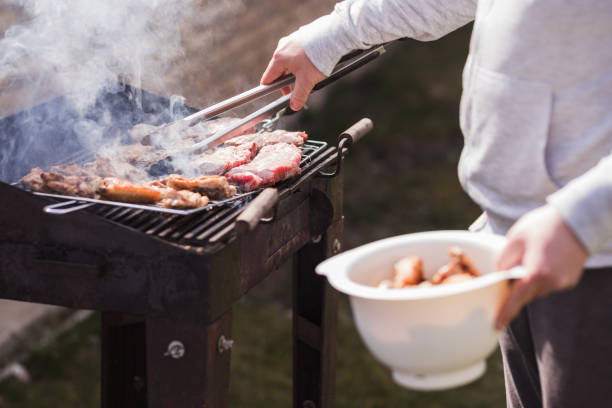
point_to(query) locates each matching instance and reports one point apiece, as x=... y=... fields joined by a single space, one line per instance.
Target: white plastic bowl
x=435 y=337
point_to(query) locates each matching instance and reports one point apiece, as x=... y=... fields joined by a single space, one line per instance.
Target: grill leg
x=198 y=378
x=315 y=321
x=123 y=361
x=136 y=373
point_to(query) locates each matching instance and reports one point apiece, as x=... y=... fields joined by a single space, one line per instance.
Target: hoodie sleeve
x=585 y=204
x=360 y=24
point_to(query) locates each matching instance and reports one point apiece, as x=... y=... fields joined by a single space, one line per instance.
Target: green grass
x=401 y=178
x=65 y=373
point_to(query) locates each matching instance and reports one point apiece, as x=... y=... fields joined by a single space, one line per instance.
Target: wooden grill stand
x=167 y=308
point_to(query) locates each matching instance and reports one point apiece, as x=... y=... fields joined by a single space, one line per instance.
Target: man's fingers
x=286 y=90
x=511 y=255
x=274 y=70
x=300 y=93
x=521 y=293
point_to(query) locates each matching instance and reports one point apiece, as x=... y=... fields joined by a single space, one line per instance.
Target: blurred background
x=401 y=178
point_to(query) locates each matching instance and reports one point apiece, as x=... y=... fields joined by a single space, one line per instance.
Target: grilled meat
x=183 y=199
x=115 y=189
x=268 y=138
x=459 y=264
x=69 y=185
x=407 y=271
x=69 y=179
x=272 y=164
x=123 y=172
x=134 y=154
x=459 y=277
x=215 y=187
x=225 y=158
x=33 y=180
x=71 y=170
x=107 y=167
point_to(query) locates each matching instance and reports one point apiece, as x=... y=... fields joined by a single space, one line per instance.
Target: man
x=536 y=113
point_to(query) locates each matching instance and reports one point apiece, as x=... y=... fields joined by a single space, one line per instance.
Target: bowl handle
x=334 y=264
x=516 y=272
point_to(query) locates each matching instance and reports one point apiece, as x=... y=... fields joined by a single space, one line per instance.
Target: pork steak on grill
x=267 y=138
x=224 y=158
x=272 y=164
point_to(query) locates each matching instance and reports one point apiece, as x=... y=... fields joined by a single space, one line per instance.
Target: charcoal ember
x=162 y=168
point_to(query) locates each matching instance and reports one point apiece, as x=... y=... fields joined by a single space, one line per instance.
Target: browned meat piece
x=451 y=268
x=465 y=262
x=107 y=167
x=268 y=138
x=459 y=277
x=407 y=271
x=223 y=159
x=183 y=199
x=458 y=264
x=70 y=185
x=67 y=179
x=215 y=187
x=135 y=154
x=121 y=190
x=33 y=180
x=160 y=184
x=71 y=170
x=272 y=164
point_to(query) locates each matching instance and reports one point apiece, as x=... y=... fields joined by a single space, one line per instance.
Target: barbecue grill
x=165 y=283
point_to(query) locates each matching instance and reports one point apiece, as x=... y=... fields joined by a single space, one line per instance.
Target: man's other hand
x=290 y=57
x=553 y=256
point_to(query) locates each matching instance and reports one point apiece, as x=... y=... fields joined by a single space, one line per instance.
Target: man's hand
x=551 y=253
x=290 y=57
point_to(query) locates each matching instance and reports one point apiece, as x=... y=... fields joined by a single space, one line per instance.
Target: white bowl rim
x=336 y=268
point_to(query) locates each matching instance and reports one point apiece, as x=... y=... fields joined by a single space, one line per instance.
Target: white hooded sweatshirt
x=536 y=108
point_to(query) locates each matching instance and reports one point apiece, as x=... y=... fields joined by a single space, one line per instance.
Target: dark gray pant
x=558 y=351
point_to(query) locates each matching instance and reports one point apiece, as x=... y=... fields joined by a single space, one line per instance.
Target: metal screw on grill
x=224 y=344
x=176 y=350
x=337 y=246
x=308 y=404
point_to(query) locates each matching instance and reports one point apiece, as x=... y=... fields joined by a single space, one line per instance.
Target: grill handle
x=358 y=130
x=66 y=207
x=345 y=141
x=250 y=217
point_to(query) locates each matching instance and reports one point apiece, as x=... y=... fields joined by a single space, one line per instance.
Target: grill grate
x=309 y=150
x=197 y=228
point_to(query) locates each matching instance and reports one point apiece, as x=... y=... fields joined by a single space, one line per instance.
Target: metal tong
x=347 y=64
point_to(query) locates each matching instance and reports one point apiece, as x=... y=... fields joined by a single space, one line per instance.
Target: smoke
x=84 y=49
